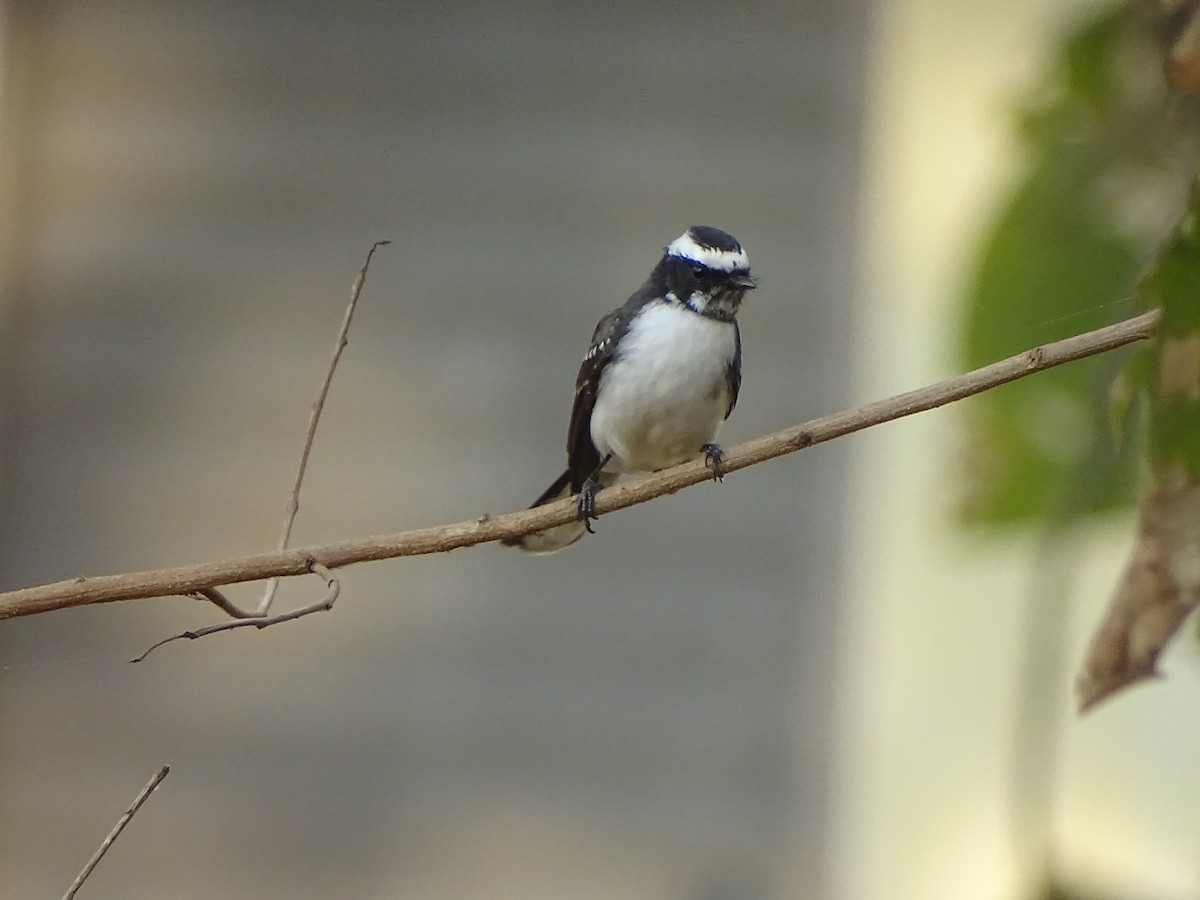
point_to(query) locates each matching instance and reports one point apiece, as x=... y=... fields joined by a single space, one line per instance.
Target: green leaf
x=1058 y=260
x=1052 y=267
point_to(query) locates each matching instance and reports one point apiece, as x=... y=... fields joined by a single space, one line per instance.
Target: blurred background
x=844 y=674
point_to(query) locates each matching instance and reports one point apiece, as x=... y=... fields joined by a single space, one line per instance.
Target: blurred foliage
x=1101 y=185
x=1165 y=373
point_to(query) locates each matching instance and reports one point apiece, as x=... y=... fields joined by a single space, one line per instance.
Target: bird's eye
x=698 y=271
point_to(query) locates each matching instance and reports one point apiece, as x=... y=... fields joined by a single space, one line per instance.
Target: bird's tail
x=554 y=539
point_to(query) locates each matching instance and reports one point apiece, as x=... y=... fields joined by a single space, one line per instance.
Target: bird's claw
x=714 y=458
x=585 y=505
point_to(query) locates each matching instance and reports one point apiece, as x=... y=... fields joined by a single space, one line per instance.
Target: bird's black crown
x=714 y=239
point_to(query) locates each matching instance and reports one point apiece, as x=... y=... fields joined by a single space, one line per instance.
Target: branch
x=196 y=578
x=293 y=501
x=219 y=600
x=333 y=587
x=141 y=798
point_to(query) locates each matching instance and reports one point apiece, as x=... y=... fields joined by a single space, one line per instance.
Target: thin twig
x=293 y=502
x=439 y=539
x=218 y=599
x=116 y=831
x=333 y=587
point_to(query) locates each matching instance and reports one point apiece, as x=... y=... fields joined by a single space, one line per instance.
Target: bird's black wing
x=733 y=373
x=582 y=455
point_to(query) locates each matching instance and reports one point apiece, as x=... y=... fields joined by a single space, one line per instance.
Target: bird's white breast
x=665 y=393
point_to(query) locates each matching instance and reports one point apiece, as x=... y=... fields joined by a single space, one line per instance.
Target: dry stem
x=126 y=816
x=293 y=502
x=333 y=587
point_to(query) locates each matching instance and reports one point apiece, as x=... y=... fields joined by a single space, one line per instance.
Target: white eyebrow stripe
x=685 y=247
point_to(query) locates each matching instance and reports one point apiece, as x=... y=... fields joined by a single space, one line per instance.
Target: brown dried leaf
x=1182 y=21
x=1160 y=586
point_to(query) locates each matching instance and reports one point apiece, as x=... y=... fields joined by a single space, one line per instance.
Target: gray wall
x=189 y=189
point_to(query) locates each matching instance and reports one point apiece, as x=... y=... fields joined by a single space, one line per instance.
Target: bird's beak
x=743 y=281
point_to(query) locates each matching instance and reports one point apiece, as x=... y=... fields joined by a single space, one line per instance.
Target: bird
x=661 y=374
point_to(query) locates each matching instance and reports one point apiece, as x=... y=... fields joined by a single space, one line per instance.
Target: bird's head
x=707 y=271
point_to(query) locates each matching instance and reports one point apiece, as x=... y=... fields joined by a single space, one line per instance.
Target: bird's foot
x=585 y=505
x=714 y=458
